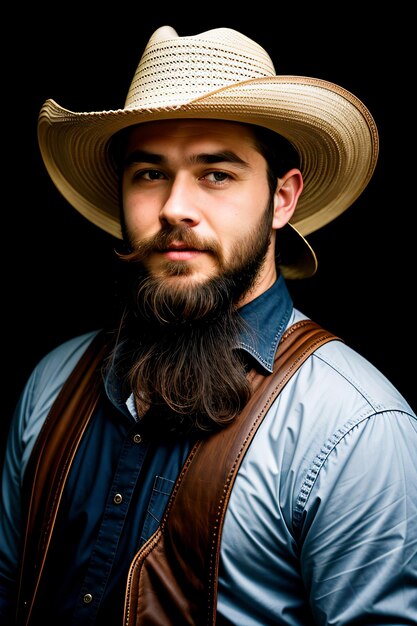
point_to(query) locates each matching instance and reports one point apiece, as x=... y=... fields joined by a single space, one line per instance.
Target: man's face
x=195 y=194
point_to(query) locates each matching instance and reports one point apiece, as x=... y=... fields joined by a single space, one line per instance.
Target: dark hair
x=117 y=147
x=278 y=152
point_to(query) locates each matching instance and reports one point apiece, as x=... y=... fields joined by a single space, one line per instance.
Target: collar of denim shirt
x=266 y=318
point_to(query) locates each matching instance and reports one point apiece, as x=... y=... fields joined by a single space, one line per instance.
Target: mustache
x=164 y=239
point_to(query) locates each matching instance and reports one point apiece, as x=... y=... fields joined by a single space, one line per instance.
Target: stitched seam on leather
x=221 y=509
x=179 y=482
x=140 y=556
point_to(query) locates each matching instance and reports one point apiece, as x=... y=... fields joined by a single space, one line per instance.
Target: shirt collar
x=266 y=319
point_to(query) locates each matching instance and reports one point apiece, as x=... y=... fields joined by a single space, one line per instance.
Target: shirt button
x=118 y=498
x=137 y=438
x=87 y=598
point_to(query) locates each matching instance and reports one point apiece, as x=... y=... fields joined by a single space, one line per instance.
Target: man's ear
x=288 y=190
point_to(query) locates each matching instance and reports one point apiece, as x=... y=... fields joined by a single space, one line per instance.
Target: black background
x=58 y=269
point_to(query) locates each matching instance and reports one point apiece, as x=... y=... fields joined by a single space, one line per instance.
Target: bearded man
x=210 y=177
x=195 y=264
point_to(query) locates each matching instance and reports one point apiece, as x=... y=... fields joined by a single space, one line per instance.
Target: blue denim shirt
x=321 y=525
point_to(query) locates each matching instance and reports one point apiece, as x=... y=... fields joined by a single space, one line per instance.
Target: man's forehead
x=191 y=129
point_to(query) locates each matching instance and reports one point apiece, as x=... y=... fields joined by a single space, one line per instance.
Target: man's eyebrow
x=142 y=156
x=227 y=156
x=219 y=157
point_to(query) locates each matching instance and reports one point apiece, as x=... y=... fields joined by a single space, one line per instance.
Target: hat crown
x=177 y=70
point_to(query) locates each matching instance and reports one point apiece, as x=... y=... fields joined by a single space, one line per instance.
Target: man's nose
x=180 y=205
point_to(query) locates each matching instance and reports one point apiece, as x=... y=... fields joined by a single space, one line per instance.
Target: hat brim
x=333 y=132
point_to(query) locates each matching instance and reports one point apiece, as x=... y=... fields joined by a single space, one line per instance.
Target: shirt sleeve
x=359 y=530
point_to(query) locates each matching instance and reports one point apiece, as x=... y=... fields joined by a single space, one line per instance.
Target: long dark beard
x=178 y=350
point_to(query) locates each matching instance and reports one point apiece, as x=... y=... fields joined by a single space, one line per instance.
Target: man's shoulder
x=50 y=374
x=63 y=358
x=339 y=374
x=336 y=401
x=43 y=386
x=347 y=374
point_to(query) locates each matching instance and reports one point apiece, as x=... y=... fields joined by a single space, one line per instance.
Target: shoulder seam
x=323 y=455
x=318 y=462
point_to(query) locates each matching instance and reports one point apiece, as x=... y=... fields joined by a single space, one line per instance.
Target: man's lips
x=181 y=252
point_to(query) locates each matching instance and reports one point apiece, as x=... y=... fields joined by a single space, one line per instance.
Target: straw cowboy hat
x=220 y=74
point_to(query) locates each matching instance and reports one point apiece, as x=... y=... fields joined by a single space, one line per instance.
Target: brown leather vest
x=172 y=580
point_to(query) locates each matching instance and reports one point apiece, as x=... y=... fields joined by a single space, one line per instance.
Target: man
x=200 y=176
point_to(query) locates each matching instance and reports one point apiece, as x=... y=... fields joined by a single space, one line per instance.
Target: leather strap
x=173 y=578
x=49 y=464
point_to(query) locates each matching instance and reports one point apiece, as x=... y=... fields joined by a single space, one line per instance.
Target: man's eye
x=217 y=177
x=152 y=174
x=148 y=175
